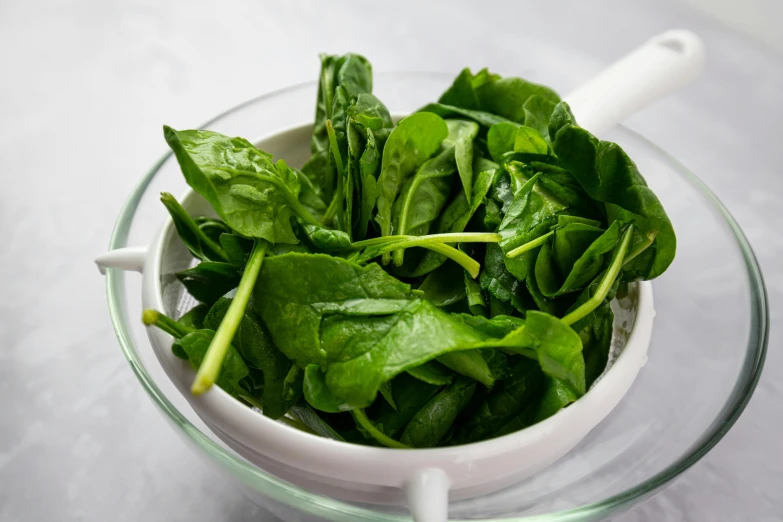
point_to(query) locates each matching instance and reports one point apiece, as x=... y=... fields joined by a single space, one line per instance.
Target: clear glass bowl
x=707 y=350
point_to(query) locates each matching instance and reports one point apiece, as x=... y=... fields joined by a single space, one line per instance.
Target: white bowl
x=424 y=478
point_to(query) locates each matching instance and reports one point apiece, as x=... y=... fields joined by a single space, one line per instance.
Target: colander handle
x=660 y=66
x=428 y=495
x=129 y=258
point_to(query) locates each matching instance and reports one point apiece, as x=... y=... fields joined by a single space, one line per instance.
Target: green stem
x=530 y=245
x=333 y=145
x=181 y=216
x=458 y=256
x=394 y=242
x=364 y=422
x=216 y=353
x=641 y=246
x=606 y=282
x=165 y=323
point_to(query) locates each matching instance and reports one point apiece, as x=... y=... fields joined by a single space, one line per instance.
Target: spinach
x=608 y=175
x=432 y=372
x=543 y=222
x=439 y=287
x=461 y=136
x=198 y=242
x=423 y=197
x=505 y=401
x=193 y=319
x=410 y=395
x=209 y=281
x=252 y=195
x=254 y=344
x=432 y=421
x=412 y=141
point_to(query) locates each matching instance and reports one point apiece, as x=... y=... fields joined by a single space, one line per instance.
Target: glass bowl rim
x=320 y=505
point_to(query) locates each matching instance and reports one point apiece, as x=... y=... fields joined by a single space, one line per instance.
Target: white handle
x=428 y=495
x=659 y=67
x=130 y=258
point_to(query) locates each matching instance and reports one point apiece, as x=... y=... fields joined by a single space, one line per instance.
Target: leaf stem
x=364 y=422
x=213 y=360
x=167 y=324
x=530 y=245
x=458 y=256
x=338 y=160
x=451 y=237
x=641 y=246
x=181 y=216
x=606 y=281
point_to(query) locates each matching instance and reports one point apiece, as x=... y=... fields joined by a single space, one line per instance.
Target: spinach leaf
x=423 y=197
x=506 y=97
x=209 y=281
x=192 y=320
x=538 y=111
x=433 y=421
x=233 y=369
x=439 y=286
x=578 y=250
x=456 y=216
x=410 y=395
x=461 y=136
x=462 y=92
x=608 y=175
x=353 y=73
x=358 y=323
x=432 y=372
x=252 y=195
x=306 y=415
x=412 y=141
x=254 y=343
x=483 y=118
x=198 y=242
x=368 y=126
x=507 y=400
x=236 y=247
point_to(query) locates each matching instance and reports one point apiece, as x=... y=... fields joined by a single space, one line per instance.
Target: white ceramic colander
x=425 y=479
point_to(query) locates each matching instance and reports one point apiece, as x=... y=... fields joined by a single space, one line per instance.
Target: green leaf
x=483 y=118
x=456 y=215
x=538 y=111
x=507 y=400
x=462 y=92
x=233 y=369
x=432 y=372
x=506 y=97
x=209 y=281
x=306 y=415
x=198 y=242
x=358 y=323
x=254 y=343
x=236 y=247
x=412 y=141
x=241 y=183
x=579 y=251
x=439 y=286
x=608 y=175
x=461 y=136
x=500 y=139
x=192 y=320
x=410 y=395
x=432 y=422
x=423 y=197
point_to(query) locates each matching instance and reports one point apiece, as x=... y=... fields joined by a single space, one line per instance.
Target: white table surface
x=84 y=88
